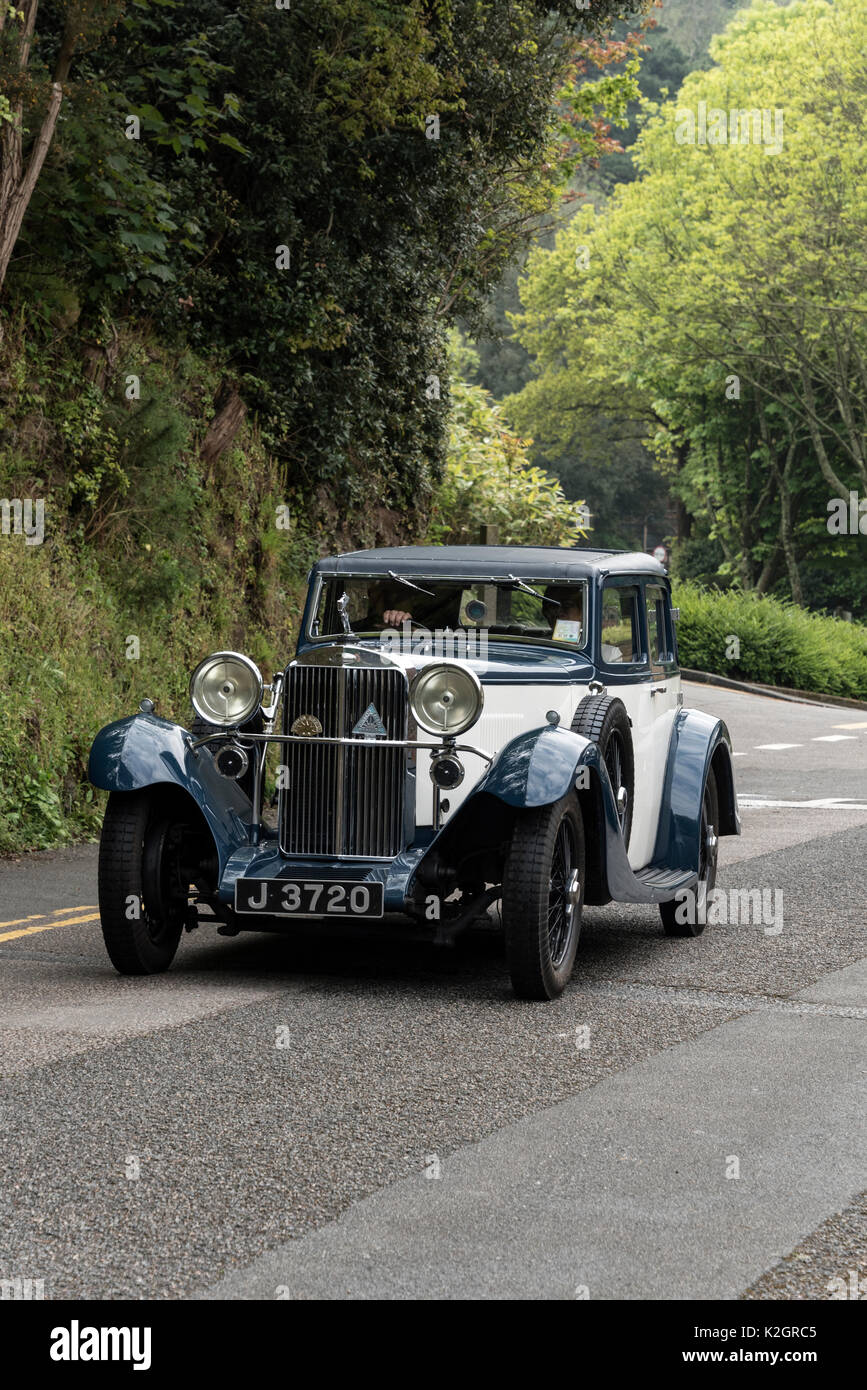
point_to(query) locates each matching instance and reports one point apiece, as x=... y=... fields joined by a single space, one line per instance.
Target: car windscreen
x=366 y=607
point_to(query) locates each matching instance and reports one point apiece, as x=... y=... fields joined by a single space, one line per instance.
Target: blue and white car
x=459 y=726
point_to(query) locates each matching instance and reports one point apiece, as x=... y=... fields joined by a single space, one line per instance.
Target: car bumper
x=265 y=861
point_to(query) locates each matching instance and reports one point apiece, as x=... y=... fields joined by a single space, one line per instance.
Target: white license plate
x=308 y=897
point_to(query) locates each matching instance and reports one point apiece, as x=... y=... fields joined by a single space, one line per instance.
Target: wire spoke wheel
x=543 y=890
x=165 y=886
x=561 y=893
x=615 y=762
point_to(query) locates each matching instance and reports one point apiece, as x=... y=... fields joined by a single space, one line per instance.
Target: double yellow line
x=58 y=920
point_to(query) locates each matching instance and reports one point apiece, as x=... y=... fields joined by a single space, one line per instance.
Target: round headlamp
x=226 y=688
x=446 y=699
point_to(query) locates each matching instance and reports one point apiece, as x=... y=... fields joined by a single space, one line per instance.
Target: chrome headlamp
x=226 y=689
x=446 y=699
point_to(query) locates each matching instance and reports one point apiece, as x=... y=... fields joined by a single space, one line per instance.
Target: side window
x=621 y=642
x=658 y=625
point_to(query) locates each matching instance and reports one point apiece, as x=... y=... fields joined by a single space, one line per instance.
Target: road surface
x=288 y=1117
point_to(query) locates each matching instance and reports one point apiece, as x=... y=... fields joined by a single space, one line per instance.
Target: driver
x=386 y=608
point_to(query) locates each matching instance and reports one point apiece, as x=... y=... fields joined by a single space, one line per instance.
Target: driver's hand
x=393 y=617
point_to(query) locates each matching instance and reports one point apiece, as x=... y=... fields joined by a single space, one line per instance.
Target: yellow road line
x=46 y=926
x=58 y=912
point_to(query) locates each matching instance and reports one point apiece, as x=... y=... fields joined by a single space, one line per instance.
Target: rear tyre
x=605 y=722
x=143 y=879
x=670 y=911
x=543 y=895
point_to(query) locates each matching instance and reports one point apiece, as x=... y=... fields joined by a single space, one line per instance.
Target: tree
x=722 y=298
x=489 y=479
x=24 y=93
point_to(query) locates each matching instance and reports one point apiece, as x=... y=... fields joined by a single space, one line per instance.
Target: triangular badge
x=370 y=725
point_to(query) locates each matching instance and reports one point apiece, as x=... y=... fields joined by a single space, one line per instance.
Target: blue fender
x=698 y=742
x=144 y=751
x=537 y=768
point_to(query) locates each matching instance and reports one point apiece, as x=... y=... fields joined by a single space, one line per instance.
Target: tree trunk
x=769 y=569
x=16 y=182
x=229 y=415
x=16 y=189
x=787 y=536
x=683 y=520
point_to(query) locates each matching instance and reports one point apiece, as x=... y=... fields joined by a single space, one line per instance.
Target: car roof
x=481 y=561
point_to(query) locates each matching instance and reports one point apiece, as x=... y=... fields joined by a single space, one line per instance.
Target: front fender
x=144 y=751
x=537 y=768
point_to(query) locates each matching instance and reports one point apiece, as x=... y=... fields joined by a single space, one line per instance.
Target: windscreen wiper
x=527 y=590
x=399 y=579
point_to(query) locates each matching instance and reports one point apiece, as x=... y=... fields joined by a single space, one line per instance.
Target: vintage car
x=460 y=726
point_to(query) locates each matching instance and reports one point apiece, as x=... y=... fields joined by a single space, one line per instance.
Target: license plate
x=308 y=897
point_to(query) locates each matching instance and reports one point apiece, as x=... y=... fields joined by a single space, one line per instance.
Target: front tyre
x=143 y=881
x=543 y=894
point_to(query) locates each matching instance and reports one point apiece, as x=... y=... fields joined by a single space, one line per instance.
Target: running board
x=655 y=883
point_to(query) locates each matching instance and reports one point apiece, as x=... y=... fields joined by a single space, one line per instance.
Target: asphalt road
x=295 y=1117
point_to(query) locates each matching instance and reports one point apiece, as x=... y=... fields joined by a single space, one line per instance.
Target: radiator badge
x=307 y=725
x=370 y=725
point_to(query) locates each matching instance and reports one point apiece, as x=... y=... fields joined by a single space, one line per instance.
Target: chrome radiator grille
x=343 y=800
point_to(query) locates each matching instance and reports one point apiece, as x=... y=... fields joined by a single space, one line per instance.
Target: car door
x=637 y=664
x=624 y=669
x=658 y=703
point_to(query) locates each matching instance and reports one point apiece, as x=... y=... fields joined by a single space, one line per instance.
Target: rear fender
x=698 y=743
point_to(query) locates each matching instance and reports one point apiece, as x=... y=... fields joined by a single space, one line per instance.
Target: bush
x=768 y=640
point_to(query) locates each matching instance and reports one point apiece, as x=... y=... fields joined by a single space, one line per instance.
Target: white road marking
x=831 y=738
x=862 y=724
x=774 y=747
x=825 y=803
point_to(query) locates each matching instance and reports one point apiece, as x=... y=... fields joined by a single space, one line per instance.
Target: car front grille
x=342 y=800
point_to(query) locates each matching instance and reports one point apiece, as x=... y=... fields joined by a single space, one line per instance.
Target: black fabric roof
x=481 y=561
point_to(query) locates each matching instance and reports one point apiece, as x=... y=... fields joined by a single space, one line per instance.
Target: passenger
x=564 y=604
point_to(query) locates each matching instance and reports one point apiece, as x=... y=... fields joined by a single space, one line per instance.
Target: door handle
x=658 y=689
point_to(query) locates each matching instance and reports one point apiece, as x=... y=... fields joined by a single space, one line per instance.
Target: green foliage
x=720 y=300
x=488 y=479
x=779 y=643
x=183 y=563
x=307 y=128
